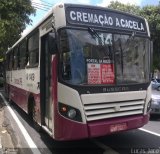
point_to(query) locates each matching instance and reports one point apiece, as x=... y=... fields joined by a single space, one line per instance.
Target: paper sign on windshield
x=94 y=74
x=107 y=73
x=100 y=72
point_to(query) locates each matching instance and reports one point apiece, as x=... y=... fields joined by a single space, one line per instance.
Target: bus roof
x=71 y=5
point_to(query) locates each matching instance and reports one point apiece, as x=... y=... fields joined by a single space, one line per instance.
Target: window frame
x=15 y=58
x=23 y=55
x=33 y=52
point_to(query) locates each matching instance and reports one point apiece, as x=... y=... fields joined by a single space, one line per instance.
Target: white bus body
x=98 y=93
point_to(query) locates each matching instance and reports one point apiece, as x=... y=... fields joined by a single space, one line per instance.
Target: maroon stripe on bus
x=21 y=96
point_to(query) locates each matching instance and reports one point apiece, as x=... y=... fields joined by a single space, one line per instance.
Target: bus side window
x=7 y=61
x=33 y=49
x=11 y=60
x=23 y=54
x=16 y=58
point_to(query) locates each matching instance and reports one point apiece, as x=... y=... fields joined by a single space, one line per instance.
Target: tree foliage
x=152 y=14
x=133 y=9
x=14 y=16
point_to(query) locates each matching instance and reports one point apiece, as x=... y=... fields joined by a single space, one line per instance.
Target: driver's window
x=66 y=68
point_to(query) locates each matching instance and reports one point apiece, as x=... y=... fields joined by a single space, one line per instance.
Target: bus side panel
x=69 y=130
x=20 y=97
x=64 y=129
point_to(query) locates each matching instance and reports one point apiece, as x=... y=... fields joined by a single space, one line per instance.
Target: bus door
x=45 y=85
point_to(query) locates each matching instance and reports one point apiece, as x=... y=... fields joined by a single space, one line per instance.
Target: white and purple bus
x=82 y=72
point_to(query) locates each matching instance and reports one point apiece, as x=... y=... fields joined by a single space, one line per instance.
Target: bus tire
x=8 y=97
x=31 y=108
x=10 y=101
x=32 y=113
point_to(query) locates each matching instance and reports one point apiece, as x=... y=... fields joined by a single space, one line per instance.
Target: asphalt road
x=130 y=142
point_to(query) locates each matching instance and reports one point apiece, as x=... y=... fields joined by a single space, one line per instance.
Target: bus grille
x=98 y=111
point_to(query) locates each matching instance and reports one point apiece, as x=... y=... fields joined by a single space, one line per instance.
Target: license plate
x=118 y=127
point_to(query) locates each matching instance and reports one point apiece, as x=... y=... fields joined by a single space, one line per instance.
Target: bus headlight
x=70 y=112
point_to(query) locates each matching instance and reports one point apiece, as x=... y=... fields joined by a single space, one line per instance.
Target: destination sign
x=104 y=18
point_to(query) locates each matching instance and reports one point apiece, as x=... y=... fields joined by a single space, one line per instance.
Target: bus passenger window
x=33 y=48
x=11 y=60
x=7 y=61
x=23 y=54
x=16 y=58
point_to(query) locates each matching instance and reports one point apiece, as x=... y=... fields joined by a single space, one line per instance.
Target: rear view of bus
x=104 y=69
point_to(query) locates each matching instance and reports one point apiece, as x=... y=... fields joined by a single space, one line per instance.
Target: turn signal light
x=64 y=109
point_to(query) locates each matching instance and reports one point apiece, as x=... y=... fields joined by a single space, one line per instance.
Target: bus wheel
x=32 y=114
x=11 y=102
x=9 y=98
x=31 y=108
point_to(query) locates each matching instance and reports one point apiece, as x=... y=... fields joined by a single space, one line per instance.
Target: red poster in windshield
x=94 y=74
x=107 y=74
x=100 y=72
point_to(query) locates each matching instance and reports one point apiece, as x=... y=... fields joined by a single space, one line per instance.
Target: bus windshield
x=94 y=57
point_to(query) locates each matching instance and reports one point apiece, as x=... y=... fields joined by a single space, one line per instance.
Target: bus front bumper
x=106 y=127
x=70 y=130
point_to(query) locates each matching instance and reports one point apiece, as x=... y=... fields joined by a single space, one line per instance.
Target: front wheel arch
x=32 y=113
x=31 y=107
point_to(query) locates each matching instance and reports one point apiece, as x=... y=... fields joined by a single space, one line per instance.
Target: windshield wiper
x=131 y=38
x=122 y=51
x=121 y=56
x=106 y=48
x=94 y=34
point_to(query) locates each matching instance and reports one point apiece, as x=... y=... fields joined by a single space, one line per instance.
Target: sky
x=45 y=3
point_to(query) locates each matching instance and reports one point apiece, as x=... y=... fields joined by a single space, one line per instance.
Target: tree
x=14 y=16
x=133 y=9
x=152 y=14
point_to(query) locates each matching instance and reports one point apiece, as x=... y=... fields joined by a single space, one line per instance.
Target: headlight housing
x=69 y=112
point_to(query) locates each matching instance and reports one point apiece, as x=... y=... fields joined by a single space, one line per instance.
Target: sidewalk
x=6 y=142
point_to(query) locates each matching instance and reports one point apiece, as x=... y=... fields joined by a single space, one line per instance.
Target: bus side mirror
x=52 y=46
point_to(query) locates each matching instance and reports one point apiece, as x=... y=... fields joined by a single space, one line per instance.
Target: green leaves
x=126 y=8
x=14 y=16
